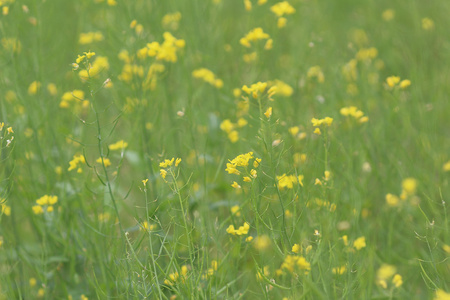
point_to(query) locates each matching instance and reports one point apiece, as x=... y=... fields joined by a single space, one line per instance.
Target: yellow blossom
x=120 y=145
x=268 y=112
x=236 y=185
x=339 y=270
x=296 y=248
x=316 y=72
x=34 y=88
x=388 y=15
x=359 y=243
x=106 y=161
x=427 y=24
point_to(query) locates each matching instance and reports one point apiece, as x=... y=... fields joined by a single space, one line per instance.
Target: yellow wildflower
x=120 y=145
x=359 y=243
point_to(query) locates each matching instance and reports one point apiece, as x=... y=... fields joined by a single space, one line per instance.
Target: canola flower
x=45 y=203
x=242 y=230
x=253 y=36
x=239 y=164
x=75 y=99
x=293 y=264
x=167 y=50
x=177 y=277
x=354 y=112
x=171 y=21
x=208 y=76
x=359 y=243
x=282 y=9
x=90 y=37
x=394 y=81
x=388 y=273
x=119 y=145
x=288 y=181
x=316 y=72
x=76 y=163
x=167 y=163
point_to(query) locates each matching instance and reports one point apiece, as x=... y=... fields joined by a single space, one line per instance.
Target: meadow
x=224 y=149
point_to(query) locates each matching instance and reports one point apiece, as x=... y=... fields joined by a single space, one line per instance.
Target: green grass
x=111 y=235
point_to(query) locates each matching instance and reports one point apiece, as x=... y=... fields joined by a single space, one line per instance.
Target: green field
x=224 y=149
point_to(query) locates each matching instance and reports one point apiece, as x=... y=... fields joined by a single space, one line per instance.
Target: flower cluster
x=292 y=263
x=242 y=230
x=166 y=164
x=76 y=162
x=175 y=277
x=288 y=181
x=230 y=128
x=280 y=10
x=258 y=89
x=8 y=134
x=4 y=208
x=394 y=81
x=92 y=70
x=208 y=76
x=327 y=121
x=354 y=112
x=119 y=145
x=409 y=187
x=242 y=161
x=90 y=37
x=316 y=72
x=75 y=99
x=46 y=202
x=255 y=35
x=167 y=51
x=388 y=273
x=171 y=21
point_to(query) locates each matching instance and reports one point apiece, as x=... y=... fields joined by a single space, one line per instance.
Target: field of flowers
x=224 y=149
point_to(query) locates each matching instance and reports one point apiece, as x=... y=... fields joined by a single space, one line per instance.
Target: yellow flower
x=446 y=166
x=52 y=89
x=207 y=76
x=392 y=81
x=441 y=295
x=288 y=181
x=397 y=280
x=339 y=270
x=316 y=72
x=253 y=36
x=359 y=243
x=281 y=22
x=241 y=231
x=282 y=8
x=106 y=161
x=34 y=88
x=405 y=83
x=427 y=24
x=409 y=186
x=37 y=209
x=261 y=242
x=77 y=159
x=388 y=15
x=163 y=173
x=255 y=89
x=236 y=185
x=392 y=200
x=32 y=281
x=296 y=248
x=268 y=112
x=90 y=37
x=319 y=122
x=89 y=54
x=235 y=210
x=120 y=145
